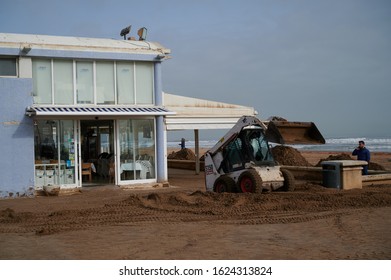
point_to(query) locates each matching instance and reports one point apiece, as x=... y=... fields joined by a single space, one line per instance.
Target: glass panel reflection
x=137 y=149
x=54 y=145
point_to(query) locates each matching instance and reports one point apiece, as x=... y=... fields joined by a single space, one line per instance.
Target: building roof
x=194 y=113
x=19 y=41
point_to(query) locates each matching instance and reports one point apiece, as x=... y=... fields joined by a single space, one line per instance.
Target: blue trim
x=161 y=162
x=10 y=51
x=80 y=54
x=158 y=83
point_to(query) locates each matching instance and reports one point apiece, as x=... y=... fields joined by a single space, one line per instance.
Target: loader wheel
x=224 y=184
x=289 y=181
x=250 y=181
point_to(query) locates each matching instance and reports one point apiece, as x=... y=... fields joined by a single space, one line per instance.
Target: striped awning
x=97 y=111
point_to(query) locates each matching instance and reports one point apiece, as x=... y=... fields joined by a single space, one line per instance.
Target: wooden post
x=197 y=152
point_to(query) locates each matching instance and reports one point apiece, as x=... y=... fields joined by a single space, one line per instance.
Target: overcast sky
x=305 y=60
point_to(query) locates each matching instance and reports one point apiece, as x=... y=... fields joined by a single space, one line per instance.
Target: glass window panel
x=45 y=134
x=144 y=144
x=66 y=170
x=54 y=144
x=46 y=152
x=126 y=142
x=42 y=80
x=84 y=83
x=105 y=82
x=137 y=149
x=125 y=83
x=7 y=66
x=63 y=82
x=144 y=83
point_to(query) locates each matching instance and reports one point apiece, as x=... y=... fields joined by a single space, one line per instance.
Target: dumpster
x=342 y=174
x=331 y=174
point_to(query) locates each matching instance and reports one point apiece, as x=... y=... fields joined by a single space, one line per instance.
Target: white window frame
x=94 y=103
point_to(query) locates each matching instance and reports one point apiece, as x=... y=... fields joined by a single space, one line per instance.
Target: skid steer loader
x=242 y=161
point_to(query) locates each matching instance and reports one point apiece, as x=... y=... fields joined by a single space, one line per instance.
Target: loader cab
x=249 y=146
x=257 y=146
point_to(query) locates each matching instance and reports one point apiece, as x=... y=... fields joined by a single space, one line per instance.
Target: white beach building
x=83 y=111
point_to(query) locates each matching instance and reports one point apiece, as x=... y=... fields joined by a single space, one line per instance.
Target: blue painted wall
x=16 y=138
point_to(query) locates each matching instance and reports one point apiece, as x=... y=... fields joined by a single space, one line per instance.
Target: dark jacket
x=362 y=154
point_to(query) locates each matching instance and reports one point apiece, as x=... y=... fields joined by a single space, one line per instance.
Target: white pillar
x=161 y=134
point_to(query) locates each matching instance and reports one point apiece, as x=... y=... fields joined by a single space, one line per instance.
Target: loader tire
x=250 y=181
x=289 y=181
x=224 y=184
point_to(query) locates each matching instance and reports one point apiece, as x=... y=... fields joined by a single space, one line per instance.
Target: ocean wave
x=191 y=144
x=332 y=144
x=375 y=141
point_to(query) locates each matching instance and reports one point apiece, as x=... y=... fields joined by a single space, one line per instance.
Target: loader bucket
x=285 y=132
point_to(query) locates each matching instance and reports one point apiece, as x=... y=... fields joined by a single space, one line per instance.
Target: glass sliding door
x=97 y=151
x=137 y=149
x=55 y=152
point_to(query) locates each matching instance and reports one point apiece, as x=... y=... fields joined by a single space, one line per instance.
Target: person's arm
x=355 y=151
x=368 y=156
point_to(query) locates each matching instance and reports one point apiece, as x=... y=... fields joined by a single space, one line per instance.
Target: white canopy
x=194 y=113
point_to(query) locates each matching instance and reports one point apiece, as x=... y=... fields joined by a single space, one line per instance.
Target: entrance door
x=97 y=152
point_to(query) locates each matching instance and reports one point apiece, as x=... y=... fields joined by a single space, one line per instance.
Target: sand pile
x=375 y=166
x=285 y=155
x=183 y=154
x=344 y=156
x=276 y=118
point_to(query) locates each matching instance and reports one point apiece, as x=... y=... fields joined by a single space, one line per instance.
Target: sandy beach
x=184 y=222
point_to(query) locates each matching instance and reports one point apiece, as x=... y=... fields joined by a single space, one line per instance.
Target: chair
x=111 y=172
x=86 y=170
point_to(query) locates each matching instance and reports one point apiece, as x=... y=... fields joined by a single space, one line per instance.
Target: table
x=144 y=166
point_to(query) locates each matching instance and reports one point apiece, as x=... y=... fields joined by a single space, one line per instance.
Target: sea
x=332 y=144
